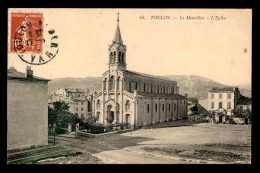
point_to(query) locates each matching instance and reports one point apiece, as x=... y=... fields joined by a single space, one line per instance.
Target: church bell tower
x=117 y=51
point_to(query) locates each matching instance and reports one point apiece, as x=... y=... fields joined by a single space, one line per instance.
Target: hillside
x=194 y=86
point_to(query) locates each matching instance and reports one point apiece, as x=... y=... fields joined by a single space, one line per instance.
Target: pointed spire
x=117 y=37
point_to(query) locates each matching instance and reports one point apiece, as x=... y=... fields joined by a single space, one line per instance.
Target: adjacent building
x=27 y=109
x=132 y=97
x=78 y=100
x=244 y=103
x=56 y=97
x=223 y=99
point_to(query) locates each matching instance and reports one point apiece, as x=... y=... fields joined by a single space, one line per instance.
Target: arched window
x=118 y=80
x=111 y=57
x=98 y=115
x=127 y=105
x=119 y=57
x=114 y=58
x=130 y=86
x=112 y=83
x=144 y=87
x=147 y=107
x=122 y=58
x=105 y=84
x=98 y=104
x=163 y=107
x=136 y=86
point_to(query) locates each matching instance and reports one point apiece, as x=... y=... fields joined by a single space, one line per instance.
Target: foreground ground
x=194 y=144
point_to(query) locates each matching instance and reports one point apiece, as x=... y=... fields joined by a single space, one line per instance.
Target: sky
x=216 y=49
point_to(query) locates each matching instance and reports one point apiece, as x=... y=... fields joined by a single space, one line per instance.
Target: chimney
x=29 y=72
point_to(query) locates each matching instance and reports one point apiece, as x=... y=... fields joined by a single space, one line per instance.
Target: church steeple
x=117 y=37
x=117 y=51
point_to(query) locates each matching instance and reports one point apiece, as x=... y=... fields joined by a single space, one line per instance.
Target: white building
x=223 y=99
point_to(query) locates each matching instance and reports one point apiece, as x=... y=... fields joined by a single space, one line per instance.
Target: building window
x=111 y=57
x=169 y=107
x=127 y=105
x=229 y=105
x=123 y=58
x=220 y=105
x=118 y=79
x=114 y=58
x=98 y=104
x=212 y=96
x=112 y=83
x=98 y=114
x=77 y=108
x=82 y=103
x=147 y=107
x=105 y=84
x=158 y=89
x=163 y=107
x=229 y=96
x=130 y=87
x=164 y=89
x=82 y=108
x=151 y=88
x=155 y=107
x=174 y=107
x=136 y=85
x=119 y=57
x=220 y=96
x=76 y=103
x=144 y=87
x=212 y=105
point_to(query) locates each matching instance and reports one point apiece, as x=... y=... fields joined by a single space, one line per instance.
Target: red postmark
x=26 y=32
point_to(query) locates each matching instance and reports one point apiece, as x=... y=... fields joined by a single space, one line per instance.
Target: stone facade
x=135 y=98
x=27 y=110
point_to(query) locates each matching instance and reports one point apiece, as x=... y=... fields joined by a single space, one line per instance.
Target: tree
x=61 y=116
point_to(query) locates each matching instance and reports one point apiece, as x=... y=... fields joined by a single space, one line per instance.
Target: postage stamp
x=34 y=42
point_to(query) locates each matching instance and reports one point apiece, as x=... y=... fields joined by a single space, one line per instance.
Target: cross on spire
x=117 y=16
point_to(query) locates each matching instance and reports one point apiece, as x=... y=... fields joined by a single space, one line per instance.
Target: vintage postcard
x=129 y=86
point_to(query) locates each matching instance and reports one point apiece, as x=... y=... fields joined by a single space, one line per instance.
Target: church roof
x=148 y=75
x=160 y=95
x=117 y=37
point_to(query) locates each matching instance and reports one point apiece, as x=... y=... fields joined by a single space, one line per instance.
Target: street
x=195 y=144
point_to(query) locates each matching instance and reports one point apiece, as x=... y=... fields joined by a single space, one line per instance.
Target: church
x=132 y=97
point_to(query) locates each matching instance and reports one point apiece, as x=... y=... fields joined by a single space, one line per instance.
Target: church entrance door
x=110 y=114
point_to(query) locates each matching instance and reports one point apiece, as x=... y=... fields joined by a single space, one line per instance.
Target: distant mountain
x=194 y=86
